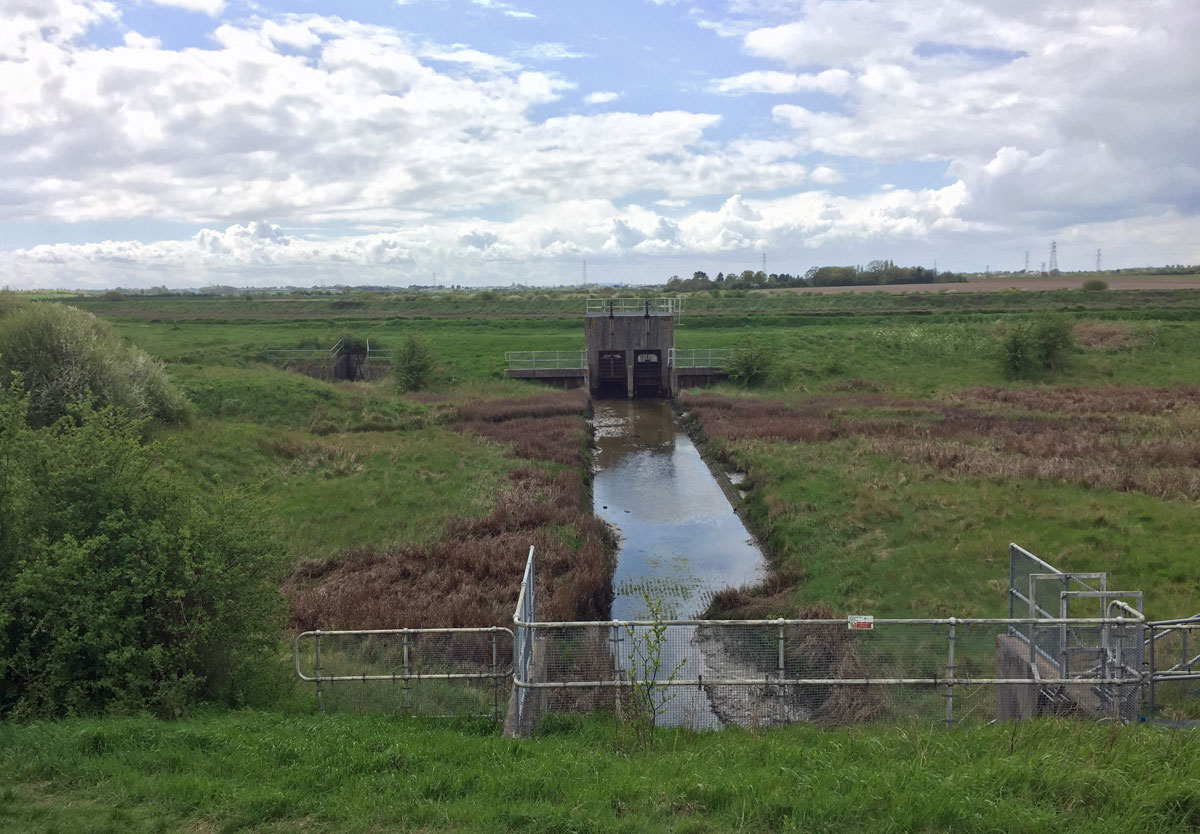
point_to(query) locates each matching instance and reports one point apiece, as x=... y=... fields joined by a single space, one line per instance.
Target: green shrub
x=413 y=365
x=751 y=364
x=1041 y=344
x=65 y=355
x=1051 y=333
x=120 y=589
x=1017 y=354
x=1094 y=285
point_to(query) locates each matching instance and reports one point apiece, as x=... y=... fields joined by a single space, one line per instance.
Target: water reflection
x=681 y=540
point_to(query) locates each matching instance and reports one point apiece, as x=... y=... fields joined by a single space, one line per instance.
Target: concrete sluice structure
x=630 y=350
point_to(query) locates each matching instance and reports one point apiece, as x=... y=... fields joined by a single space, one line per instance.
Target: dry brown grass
x=549 y=404
x=1104 y=335
x=1109 y=399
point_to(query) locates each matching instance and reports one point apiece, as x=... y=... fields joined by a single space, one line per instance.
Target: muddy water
x=680 y=539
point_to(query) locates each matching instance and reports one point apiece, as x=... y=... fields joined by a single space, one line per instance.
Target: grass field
x=273 y=773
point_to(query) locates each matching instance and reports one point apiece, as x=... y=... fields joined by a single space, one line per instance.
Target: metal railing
x=371 y=354
x=764 y=672
x=433 y=671
x=1172 y=645
x=699 y=357
x=528 y=360
x=635 y=306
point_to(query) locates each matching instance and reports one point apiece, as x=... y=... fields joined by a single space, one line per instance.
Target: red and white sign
x=860 y=621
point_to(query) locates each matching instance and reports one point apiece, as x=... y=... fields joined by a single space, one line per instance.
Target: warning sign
x=860 y=621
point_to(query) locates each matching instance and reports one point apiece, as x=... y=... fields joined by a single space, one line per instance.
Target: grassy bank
x=261 y=772
x=889 y=468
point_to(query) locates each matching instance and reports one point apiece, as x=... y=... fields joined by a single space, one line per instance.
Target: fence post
x=407 y=694
x=782 y=674
x=615 y=638
x=495 y=681
x=1152 y=668
x=950 y=681
x=320 y=701
x=1118 y=700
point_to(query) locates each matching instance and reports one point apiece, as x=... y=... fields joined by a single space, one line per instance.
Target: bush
x=413 y=365
x=751 y=364
x=1040 y=344
x=120 y=591
x=65 y=355
x=1094 y=285
x=1051 y=333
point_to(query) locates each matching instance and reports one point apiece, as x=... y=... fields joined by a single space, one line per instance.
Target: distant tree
x=699 y=276
x=414 y=365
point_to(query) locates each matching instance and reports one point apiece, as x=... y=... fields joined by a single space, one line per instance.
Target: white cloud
x=208 y=7
x=601 y=97
x=833 y=81
x=550 y=52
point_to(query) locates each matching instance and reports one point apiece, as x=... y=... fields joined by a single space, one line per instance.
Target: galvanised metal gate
x=427 y=671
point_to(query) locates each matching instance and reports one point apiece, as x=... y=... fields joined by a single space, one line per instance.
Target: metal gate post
x=614 y=637
x=950 y=673
x=1152 y=669
x=320 y=701
x=782 y=674
x=495 y=682
x=407 y=694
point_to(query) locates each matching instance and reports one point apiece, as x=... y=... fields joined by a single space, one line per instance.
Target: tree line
x=874 y=273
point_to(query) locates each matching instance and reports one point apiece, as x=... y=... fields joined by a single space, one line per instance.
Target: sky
x=491 y=142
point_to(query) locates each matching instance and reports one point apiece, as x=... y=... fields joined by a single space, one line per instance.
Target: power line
x=1053 y=256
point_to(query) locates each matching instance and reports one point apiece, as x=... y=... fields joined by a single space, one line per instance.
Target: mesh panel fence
x=1174 y=690
x=764 y=673
x=460 y=672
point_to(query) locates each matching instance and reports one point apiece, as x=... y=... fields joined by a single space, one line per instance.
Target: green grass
x=262 y=772
x=871 y=535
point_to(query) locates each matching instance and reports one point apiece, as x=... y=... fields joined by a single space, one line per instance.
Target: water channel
x=681 y=541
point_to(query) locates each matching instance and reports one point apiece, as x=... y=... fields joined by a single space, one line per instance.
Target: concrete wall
x=630 y=334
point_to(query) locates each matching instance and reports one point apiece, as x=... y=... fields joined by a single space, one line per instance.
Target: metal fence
x=528 y=360
x=699 y=358
x=418 y=671
x=755 y=673
x=1075 y=649
x=1173 y=661
x=635 y=306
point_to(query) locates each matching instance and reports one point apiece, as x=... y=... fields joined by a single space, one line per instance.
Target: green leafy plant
x=1041 y=344
x=414 y=364
x=649 y=686
x=1094 y=285
x=65 y=355
x=751 y=364
x=121 y=590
